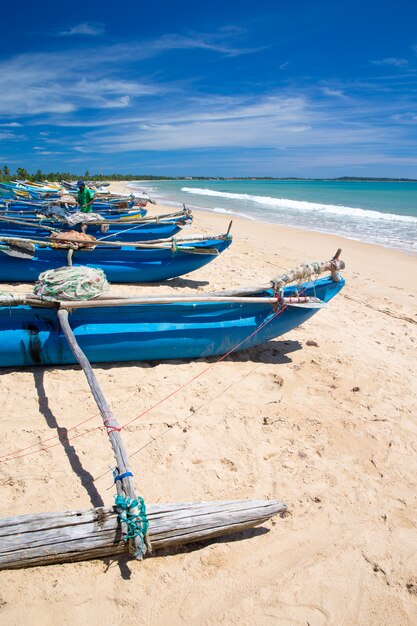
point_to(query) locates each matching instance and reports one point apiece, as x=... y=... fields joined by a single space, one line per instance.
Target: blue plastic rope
x=121 y=476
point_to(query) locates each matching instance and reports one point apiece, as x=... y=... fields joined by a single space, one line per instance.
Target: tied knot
x=111 y=423
x=132 y=513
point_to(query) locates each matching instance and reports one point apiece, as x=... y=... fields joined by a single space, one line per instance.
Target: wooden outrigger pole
x=123 y=475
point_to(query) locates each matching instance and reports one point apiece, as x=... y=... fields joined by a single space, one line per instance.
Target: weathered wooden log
x=44 y=539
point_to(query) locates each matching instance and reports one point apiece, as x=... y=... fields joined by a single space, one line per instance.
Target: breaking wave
x=297 y=205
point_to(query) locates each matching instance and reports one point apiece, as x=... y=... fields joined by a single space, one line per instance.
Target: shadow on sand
x=177 y=283
x=123 y=560
x=86 y=479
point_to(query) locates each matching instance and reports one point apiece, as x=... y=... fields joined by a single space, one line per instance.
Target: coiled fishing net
x=71 y=283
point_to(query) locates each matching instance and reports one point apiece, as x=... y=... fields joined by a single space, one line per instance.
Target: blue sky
x=262 y=88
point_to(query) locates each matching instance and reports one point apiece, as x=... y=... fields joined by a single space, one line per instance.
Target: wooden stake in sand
x=133 y=518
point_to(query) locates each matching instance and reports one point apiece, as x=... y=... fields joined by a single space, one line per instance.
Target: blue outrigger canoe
x=122 y=229
x=112 y=329
x=19 y=210
x=121 y=264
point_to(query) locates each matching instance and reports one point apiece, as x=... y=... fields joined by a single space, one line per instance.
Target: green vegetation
x=22 y=174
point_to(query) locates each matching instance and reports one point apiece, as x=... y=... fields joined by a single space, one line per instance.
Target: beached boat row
x=29 y=195
x=37 y=237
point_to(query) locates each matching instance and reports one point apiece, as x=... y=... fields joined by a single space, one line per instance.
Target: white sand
x=278 y=421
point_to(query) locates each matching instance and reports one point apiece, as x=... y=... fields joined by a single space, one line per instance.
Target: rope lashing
x=304 y=273
x=71 y=283
x=121 y=476
x=133 y=514
x=11 y=299
x=111 y=424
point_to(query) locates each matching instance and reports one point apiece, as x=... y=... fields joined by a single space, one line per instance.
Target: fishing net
x=71 y=283
x=79 y=240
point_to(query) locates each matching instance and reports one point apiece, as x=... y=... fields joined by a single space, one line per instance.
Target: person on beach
x=85 y=197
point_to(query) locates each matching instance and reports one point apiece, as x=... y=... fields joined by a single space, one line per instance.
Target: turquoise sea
x=384 y=213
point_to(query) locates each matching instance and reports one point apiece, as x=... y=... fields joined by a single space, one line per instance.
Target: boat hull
x=121 y=265
x=22 y=210
x=32 y=336
x=125 y=231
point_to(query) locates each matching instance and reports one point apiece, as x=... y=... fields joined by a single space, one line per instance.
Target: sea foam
x=297 y=205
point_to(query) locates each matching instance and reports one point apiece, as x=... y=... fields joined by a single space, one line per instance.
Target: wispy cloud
x=45 y=83
x=394 y=61
x=89 y=102
x=92 y=30
x=48 y=152
x=7 y=134
x=319 y=118
x=52 y=82
x=269 y=122
x=214 y=42
x=405 y=118
x=335 y=93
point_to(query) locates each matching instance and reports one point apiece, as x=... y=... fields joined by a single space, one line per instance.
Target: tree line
x=22 y=174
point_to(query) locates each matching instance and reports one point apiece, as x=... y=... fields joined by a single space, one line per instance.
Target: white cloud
x=336 y=93
x=396 y=62
x=7 y=134
x=93 y=30
x=52 y=84
x=48 y=152
x=272 y=122
x=95 y=92
x=405 y=118
x=206 y=41
x=10 y=124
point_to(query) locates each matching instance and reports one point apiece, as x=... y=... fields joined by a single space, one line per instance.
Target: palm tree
x=22 y=173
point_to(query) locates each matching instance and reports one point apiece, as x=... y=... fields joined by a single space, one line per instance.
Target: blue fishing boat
x=115 y=328
x=21 y=210
x=35 y=198
x=23 y=261
x=32 y=191
x=127 y=228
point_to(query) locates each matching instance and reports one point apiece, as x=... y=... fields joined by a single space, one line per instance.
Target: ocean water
x=384 y=213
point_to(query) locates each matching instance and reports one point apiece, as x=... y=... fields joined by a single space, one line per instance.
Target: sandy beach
x=323 y=418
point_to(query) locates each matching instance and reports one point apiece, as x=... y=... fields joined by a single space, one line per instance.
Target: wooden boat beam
x=44 y=539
